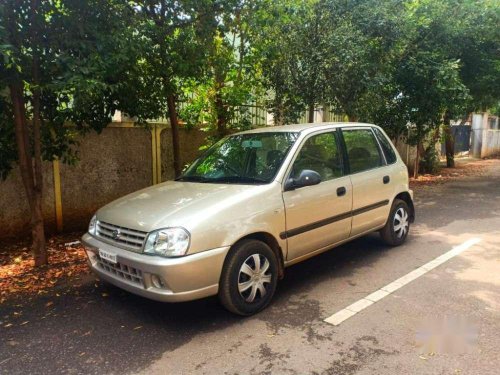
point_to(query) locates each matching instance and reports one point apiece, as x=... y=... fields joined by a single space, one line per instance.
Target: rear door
x=320 y=215
x=371 y=179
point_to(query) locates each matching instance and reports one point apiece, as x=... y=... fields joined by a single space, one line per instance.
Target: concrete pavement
x=444 y=322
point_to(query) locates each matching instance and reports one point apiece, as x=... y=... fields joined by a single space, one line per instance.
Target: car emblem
x=116 y=234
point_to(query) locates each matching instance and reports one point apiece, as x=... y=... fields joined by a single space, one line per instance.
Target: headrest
x=359 y=153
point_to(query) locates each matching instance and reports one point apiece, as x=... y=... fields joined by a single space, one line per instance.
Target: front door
x=320 y=215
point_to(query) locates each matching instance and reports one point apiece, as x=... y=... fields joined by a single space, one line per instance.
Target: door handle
x=341 y=191
x=386 y=179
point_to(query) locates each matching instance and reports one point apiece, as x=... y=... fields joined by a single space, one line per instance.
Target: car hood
x=175 y=203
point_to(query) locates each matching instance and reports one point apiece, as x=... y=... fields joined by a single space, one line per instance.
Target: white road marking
x=370 y=299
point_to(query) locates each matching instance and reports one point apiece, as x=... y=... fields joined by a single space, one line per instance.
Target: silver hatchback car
x=253 y=204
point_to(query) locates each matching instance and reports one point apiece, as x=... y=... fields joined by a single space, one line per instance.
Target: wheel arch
x=406 y=197
x=270 y=241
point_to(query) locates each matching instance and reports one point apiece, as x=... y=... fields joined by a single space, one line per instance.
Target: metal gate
x=461 y=134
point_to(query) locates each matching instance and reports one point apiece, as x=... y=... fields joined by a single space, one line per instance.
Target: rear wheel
x=249 y=278
x=398 y=224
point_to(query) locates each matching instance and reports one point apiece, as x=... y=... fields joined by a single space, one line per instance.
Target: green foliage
x=402 y=64
x=219 y=99
x=7 y=145
x=286 y=36
x=82 y=49
x=171 y=53
x=429 y=162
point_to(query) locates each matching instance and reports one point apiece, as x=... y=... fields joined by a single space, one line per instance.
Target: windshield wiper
x=223 y=179
x=241 y=179
x=193 y=179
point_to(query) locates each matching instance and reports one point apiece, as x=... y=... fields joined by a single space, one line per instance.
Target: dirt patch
x=269 y=358
x=297 y=313
x=363 y=351
x=463 y=168
x=19 y=277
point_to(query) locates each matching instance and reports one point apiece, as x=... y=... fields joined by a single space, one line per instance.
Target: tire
x=393 y=233
x=242 y=289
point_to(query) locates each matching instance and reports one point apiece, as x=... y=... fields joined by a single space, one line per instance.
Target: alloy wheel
x=401 y=222
x=254 y=278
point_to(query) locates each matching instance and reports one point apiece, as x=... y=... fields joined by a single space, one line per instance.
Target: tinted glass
x=362 y=149
x=242 y=158
x=390 y=154
x=320 y=154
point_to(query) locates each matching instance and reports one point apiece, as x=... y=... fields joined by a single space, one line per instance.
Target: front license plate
x=108 y=256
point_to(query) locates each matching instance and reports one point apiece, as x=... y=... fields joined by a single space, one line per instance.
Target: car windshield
x=252 y=158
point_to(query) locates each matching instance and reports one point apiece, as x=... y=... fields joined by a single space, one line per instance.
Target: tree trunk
x=449 y=141
x=221 y=116
x=37 y=227
x=417 y=160
x=219 y=105
x=38 y=231
x=32 y=182
x=174 y=124
x=310 y=117
x=279 y=115
x=30 y=168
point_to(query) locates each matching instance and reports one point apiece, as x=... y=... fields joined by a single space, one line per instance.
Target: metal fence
x=256 y=114
x=462 y=136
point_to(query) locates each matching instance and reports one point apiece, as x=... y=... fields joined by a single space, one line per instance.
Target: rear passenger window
x=362 y=149
x=390 y=155
x=320 y=154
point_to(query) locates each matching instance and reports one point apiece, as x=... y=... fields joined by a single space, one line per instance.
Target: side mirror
x=306 y=177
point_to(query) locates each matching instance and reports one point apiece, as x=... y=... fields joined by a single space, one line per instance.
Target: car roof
x=304 y=128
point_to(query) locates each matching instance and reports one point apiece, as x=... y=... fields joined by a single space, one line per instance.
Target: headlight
x=93 y=225
x=168 y=242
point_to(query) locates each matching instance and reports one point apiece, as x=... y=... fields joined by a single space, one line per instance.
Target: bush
x=429 y=162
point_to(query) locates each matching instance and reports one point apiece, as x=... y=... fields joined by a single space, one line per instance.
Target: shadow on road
x=98 y=328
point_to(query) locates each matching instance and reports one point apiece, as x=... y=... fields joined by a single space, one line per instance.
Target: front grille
x=125 y=272
x=129 y=238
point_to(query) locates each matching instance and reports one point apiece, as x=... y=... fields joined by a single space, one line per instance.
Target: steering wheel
x=227 y=166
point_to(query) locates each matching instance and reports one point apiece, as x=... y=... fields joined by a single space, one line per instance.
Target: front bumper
x=182 y=279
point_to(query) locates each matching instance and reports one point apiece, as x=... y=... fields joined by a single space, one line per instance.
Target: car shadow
x=97 y=327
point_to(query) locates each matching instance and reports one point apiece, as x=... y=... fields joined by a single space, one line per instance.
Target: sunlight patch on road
x=370 y=299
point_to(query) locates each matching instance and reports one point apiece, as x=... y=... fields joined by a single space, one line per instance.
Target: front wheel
x=398 y=224
x=249 y=278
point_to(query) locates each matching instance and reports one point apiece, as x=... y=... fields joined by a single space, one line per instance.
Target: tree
x=417 y=84
x=308 y=65
x=286 y=36
x=448 y=54
x=221 y=98
x=174 y=35
x=61 y=62
x=357 y=54
x=472 y=37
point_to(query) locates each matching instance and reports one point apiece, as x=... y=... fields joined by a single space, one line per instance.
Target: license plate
x=107 y=256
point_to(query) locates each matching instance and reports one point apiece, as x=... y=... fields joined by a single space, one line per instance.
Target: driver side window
x=319 y=153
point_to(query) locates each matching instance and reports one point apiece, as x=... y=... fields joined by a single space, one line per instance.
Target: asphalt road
x=445 y=322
